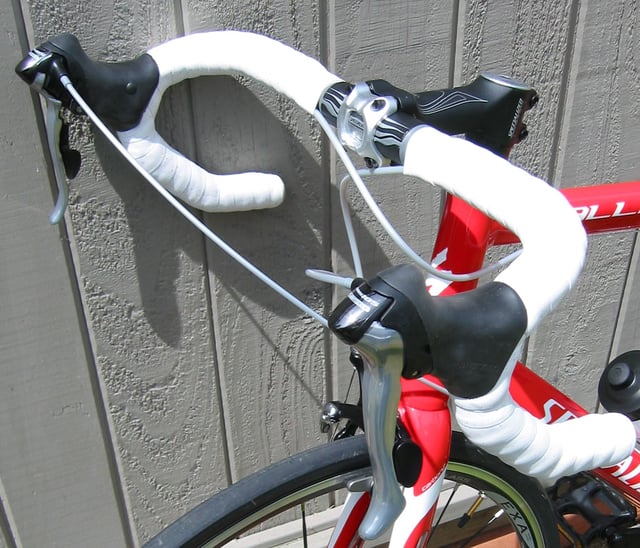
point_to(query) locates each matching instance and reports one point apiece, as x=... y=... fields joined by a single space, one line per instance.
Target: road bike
x=524 y=458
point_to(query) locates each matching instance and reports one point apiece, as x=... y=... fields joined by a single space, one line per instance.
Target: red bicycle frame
x=465 y=235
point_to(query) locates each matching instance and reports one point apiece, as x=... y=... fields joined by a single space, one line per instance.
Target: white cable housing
x=224 y=52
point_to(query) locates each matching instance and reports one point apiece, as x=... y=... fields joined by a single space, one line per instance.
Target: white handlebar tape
x=224 y=52
x=553 y=239
x=193 y=184
x=554 y=245
x=545 y=451
x=285 y=69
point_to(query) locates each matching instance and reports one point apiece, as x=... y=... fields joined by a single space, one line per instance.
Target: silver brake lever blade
x=382 y=355
x=53 y=124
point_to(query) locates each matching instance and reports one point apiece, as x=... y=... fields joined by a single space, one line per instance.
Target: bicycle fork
x=424 y=412
x=424 y=422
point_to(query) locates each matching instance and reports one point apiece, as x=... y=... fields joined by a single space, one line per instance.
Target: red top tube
x=602 y=208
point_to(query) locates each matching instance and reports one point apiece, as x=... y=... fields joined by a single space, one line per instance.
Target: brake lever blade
x=380 y=383
x=53 y=124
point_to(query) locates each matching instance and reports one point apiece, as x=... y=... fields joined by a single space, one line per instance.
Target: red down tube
x=550 y=405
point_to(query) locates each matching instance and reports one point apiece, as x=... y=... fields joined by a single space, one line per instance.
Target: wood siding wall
x=141 y=369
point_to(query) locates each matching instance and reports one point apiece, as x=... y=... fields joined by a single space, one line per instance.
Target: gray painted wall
x=141 y=369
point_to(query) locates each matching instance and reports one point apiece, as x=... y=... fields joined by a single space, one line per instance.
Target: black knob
x=619 y=389
x=620 y=375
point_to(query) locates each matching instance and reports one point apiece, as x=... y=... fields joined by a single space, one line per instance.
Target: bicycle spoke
x=304 y=526
x=445 y=507
x=496 y=516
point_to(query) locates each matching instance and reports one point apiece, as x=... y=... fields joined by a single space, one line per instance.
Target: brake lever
x=54 y=125
x=356 y=321
x=42 y=70
x=382 y=355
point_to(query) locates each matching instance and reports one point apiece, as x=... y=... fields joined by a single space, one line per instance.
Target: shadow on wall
x=238 y=134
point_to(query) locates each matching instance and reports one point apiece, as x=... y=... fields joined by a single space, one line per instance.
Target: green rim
x=506 y=497
x=506 y=490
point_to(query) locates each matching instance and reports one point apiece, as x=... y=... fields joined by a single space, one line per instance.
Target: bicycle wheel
x=297 y=501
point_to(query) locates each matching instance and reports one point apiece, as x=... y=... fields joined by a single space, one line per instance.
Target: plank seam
x=7 y=522
x=327 y=37
x=453 y=56
x=25 y=34
x=218 y=377
x=567 y=80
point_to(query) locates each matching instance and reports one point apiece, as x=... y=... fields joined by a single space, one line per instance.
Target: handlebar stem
x=358 y=119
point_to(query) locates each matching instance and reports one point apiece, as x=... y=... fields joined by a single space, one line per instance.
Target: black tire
x=326 y=468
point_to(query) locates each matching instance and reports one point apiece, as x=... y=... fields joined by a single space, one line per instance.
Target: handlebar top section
x=127 y=96
x=288 y=71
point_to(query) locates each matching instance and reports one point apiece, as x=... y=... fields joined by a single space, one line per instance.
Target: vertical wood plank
x=144 y=290
x=546 y=47
x=528 y=43
x=599 y=132
x=405 y=41
x=410 y=44
x=606 y=133
x=271 y=358
x=56 y=484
